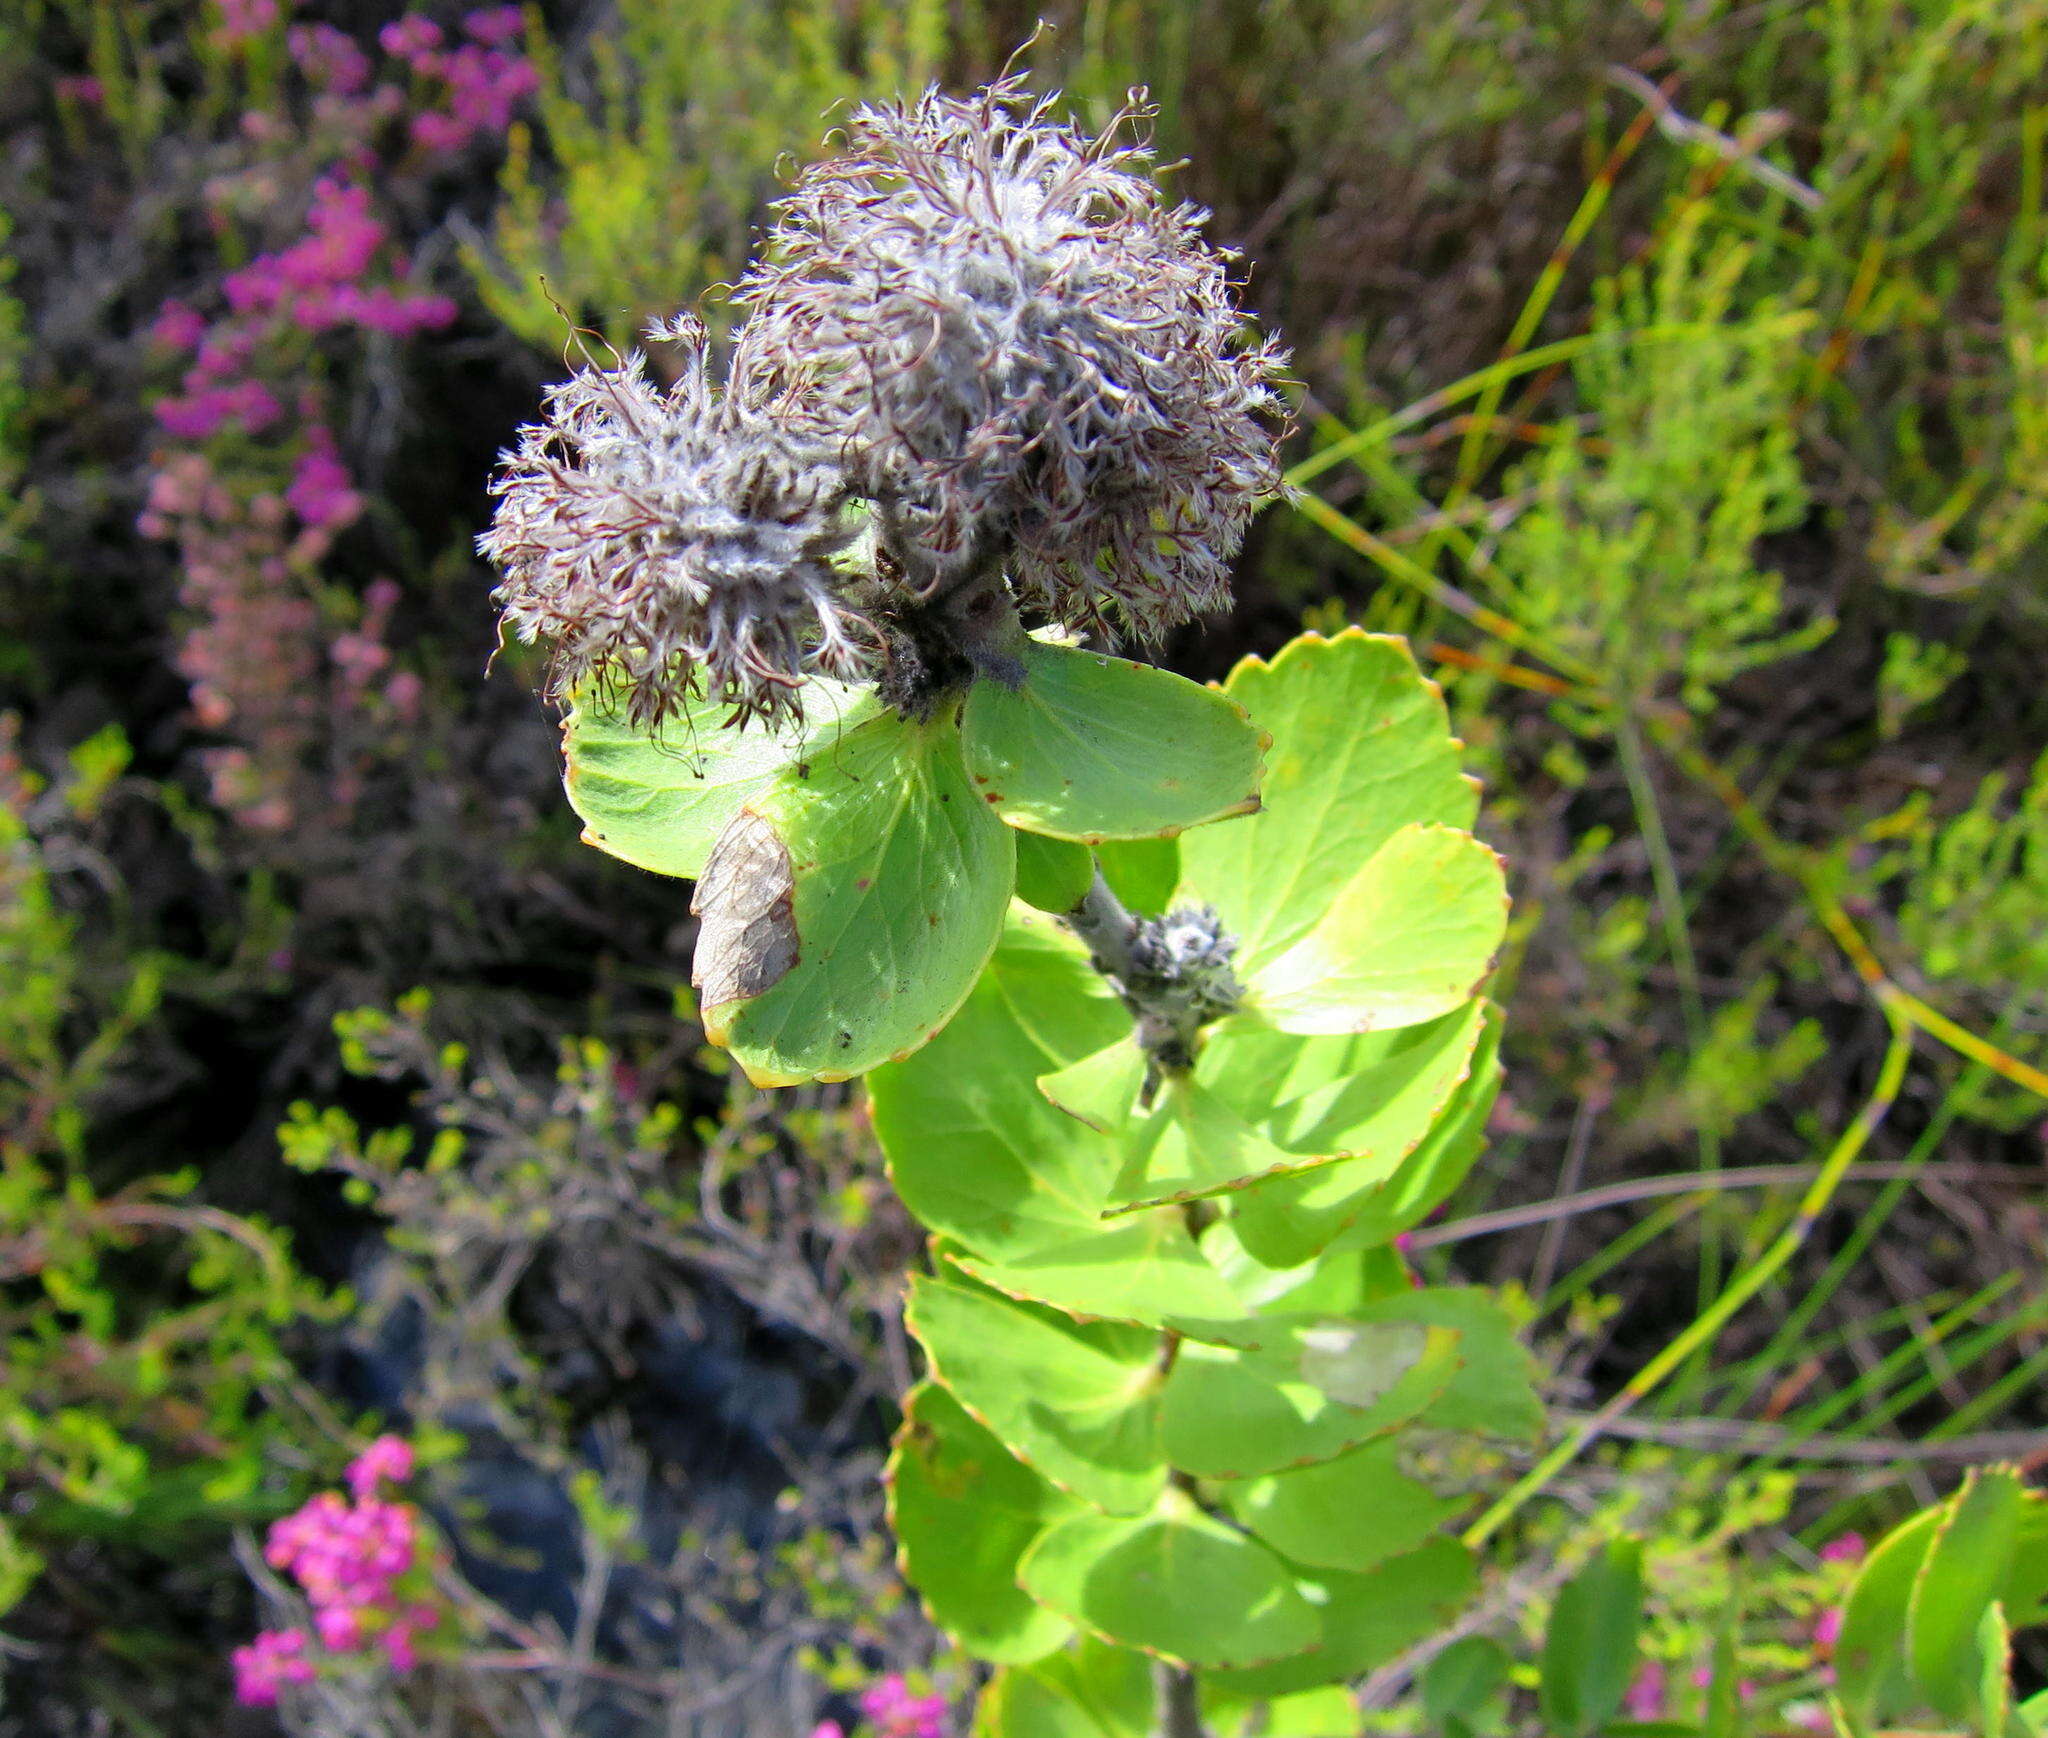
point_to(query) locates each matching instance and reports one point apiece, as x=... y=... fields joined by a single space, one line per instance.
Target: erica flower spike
x=986 y=327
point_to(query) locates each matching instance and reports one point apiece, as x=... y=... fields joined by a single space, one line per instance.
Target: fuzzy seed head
x=676 y=542
x=1019 y=345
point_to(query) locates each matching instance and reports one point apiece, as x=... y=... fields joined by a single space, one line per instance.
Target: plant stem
x=1171 y=972
x=1109 y=929
x=1180 y=1701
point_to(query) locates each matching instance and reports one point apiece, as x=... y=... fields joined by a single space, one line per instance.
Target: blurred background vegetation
x=1674 y=372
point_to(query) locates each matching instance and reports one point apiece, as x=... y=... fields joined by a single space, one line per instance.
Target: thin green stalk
x=1678 y=943
x=1472 y=451
x=1411 y=573
x=1878 y=1380
x=1613 y=1253
x=1759 y=1367
x=1967 y=1350
x=1706 y=1328
x=2023 y=1378
x=1792 y=1331
x=1353 y=442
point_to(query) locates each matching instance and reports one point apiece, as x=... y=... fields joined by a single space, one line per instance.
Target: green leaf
x=1589 y=1650
x=847 y=910
x=2025 y=1595
x=658 y=799
x=1492 y=1388
x=1101 y=1090
x=1494 y=1391
x=1368 y=1619
x=1231 y=1413
x=978 y=1154
x=1142 y=873
x=1348 y=1513
x=1053 y=874
x=1966 y=1565
x=1175 y=1582
x=1144 y=1268
x=1430 y=1175
x=1361 y=747
x=1381 y=1110
x=1092 y=747
x=1870 y=1674
x=1994 y=1679
x=1334 y=1286
x=1410 y=936
x=20 y=1565
x=1723 y=1711
x=1464 y=1682
x=1192 y=1144
x=2033 y=1712
x=1078 y=1402
x=1090 y=1690
x=964 y=1510
x=974 y=1149
x=1328 y=1712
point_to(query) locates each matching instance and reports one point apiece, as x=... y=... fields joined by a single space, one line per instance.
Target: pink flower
x=329 y=58
x=321 y=495
x=493 y=26
x=403 y=693
x=1645 y=1696
x=1827 y=1629
x=486 y=84
x=83 y=89
x=200 y=415
x=242 y=20
x=177 y=327
x=410 y=39
x=397 y=310
x=343 y=1554
x=389 y=1457
x=340 y=1627
x=896 y=1713
x=434 y=131
x=344 y=240
x=272 y=1660
x=1849 y=1548
x=224 y=352
x=399 y=1648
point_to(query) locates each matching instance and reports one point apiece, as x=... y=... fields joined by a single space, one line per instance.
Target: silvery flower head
x=1027 y=355
x=676 y=542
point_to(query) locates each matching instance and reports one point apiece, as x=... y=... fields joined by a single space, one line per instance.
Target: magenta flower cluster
x=893 y=1711
x=244 y=20
x=362 y=1562
x=251 y=483
x=484 y=79
x=1649 y=1694
x=317 y=284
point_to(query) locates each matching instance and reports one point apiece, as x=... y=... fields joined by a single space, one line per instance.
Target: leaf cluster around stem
x=1188 y=1434
x=1164 y=1092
